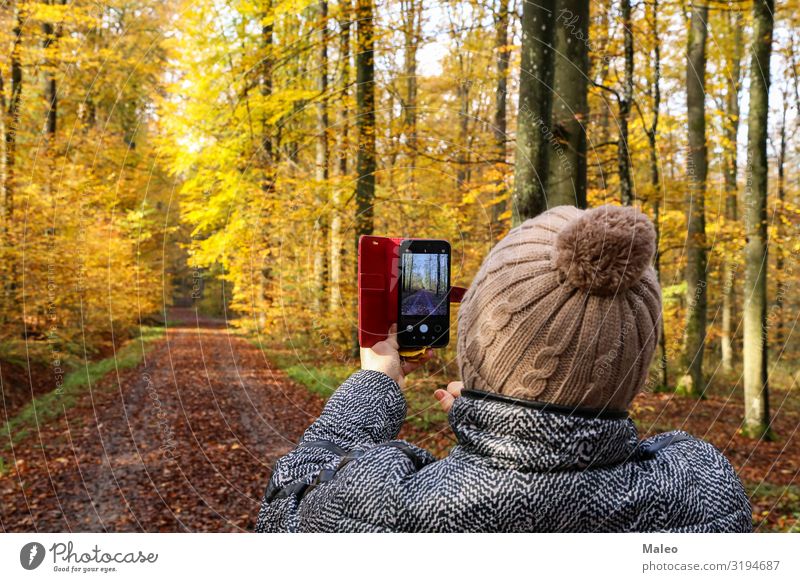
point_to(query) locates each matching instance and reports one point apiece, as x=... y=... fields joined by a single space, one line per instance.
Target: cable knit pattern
x=565 y=309
x=515 y=468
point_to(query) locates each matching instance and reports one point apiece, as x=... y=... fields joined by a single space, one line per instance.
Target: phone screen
x=424 y=293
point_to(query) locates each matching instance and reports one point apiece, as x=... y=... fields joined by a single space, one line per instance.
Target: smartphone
x=423 y=293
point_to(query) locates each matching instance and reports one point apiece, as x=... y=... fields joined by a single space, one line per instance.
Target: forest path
x=184 y=442
x=424 y=302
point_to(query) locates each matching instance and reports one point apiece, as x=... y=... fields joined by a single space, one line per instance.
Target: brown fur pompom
x=606 y=250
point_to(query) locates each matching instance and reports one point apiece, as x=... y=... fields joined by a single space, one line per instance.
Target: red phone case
x=378 y=267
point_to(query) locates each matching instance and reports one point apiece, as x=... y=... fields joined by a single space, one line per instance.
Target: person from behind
x=555 y=338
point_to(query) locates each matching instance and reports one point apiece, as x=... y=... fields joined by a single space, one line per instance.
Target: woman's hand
x=385 y=357
x=447 y=397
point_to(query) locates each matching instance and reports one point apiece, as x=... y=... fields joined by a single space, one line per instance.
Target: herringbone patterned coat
x=517 y=467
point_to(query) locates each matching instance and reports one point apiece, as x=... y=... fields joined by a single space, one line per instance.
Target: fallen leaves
x=199 y=461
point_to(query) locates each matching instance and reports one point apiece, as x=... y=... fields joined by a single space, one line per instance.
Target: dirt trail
x=184 y=442
x=424 y=302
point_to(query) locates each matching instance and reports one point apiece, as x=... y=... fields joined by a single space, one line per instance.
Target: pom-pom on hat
x=565 y=309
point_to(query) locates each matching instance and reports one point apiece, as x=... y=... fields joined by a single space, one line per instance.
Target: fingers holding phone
x=384 y=357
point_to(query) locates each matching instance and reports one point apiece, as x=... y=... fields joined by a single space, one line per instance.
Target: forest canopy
x=247 y=144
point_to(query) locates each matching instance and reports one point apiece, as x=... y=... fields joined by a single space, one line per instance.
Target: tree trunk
x=12 y=122
x=502 y=56
x=599 y=52
x=50 y=88
x=265 y=85
x=51 y=35
x=337 y=246
x=731 y=131
x=267 y=151
x=365 y=124
x=779 y=258
x=321 y=166
x=412 y=32
x=777 y=324
x=11 y=113
x=654 y=91
x=463 y=95
x=625 y=102
x=692 y=383
x=533 y=118
x=756 y=390
x=566 y=180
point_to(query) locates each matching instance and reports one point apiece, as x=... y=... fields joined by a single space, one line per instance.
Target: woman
x=555 y=338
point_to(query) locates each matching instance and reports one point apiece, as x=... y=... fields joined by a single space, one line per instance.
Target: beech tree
x=733 y=74
x=535 y=98
x=756 y=389
x=693 y=383
x=566 y=179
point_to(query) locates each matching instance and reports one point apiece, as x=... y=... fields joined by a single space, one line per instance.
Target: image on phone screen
x=424 y=281
x=424 y=284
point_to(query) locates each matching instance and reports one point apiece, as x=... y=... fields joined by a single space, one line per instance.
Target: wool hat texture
x=565 y=309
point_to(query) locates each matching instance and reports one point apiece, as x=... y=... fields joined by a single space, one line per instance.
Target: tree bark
x=756 y=389
x=500 y=129
x=693 y=383
x=365 y=114
x=533 y=119
x=12 y=123
x=463 y=95
x=566 y=180
x=412 y=32
x=365 y=125
x=779 y=251
x=51 y=35
x=265 y=86
x=321 y=162
x=12 y=116
x=625 y=103
x=267 y=150
x=601 y=70
x=731 y=131
x=337 y=246
x=50 y=87
x=654 y=91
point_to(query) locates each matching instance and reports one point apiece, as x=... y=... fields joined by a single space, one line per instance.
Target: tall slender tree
x=535 y=98
x=780 y=251
x=365 y=124
x=321 y=162
x=625 y=104
x=566 y=179
x=693 y=383
x=412 y=11
x=267 y=151
x=265 y=86
x=654 y=92
x=342 y=131
x=756 y=388
x=460 y=30
x=500 y=129
x=463 y=97
x=12 y=113
x=730 y=169
x=50 y=34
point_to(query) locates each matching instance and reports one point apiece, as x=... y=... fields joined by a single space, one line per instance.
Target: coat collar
x=536 y=436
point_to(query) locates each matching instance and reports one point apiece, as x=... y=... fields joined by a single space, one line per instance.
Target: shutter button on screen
x=423 y=328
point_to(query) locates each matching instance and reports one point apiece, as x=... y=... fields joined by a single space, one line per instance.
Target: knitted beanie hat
x=565 y=309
